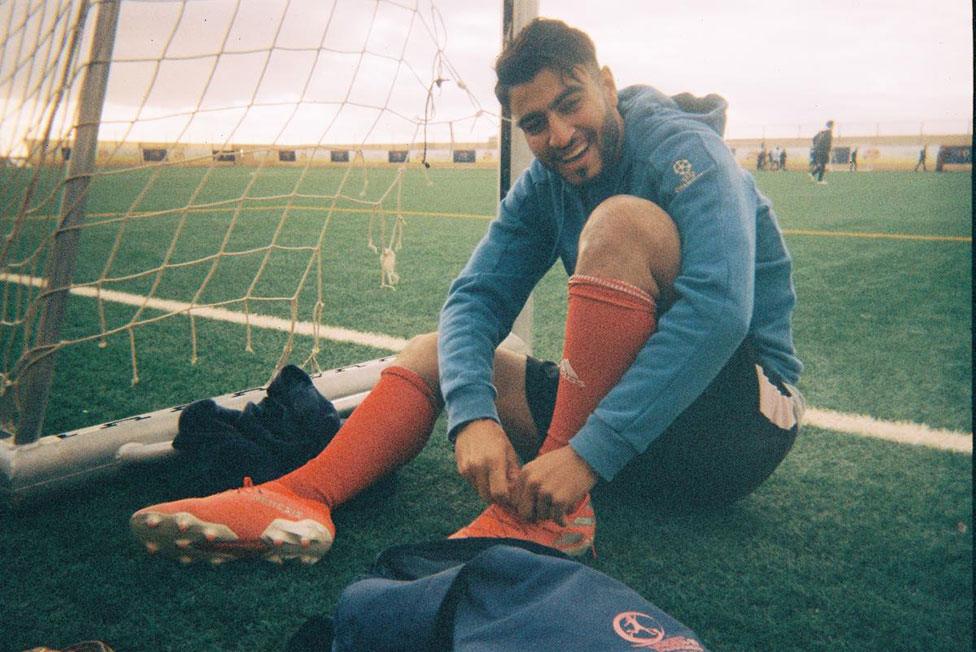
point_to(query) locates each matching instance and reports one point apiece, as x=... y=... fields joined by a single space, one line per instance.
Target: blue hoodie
x=735 y=277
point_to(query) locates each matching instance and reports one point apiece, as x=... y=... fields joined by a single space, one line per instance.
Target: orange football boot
x=574 y=539
x=266 y=521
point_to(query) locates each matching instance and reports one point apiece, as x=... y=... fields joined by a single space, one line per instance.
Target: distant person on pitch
x=921 y=160
x=676 y=382
x=822 y=144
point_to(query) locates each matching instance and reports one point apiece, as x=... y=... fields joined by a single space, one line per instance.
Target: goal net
x=229 y=181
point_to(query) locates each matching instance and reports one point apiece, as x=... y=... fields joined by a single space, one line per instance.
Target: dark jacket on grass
x=291 y=425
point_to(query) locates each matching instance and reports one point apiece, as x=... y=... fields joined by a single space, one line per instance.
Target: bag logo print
x=643 y=631
x=638 y=629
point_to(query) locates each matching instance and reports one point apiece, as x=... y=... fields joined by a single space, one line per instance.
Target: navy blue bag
x=490 y=594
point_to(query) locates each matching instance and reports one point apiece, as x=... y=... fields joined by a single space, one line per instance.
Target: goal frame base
x=60 y=462
x=72 y=459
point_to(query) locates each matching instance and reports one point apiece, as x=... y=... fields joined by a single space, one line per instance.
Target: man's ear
x=609 y=85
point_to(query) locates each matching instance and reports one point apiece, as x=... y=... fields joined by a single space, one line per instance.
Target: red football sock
x=607 y=324
x=388 y=429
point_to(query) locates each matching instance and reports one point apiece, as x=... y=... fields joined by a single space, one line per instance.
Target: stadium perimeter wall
x=874 y=153
x=133 y=154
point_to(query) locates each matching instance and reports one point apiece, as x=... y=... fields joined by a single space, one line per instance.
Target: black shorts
x=719 y=449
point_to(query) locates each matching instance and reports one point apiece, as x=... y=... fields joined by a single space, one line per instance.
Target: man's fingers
x=483 y=485
x=543 y=508
x=477 y=478
x=533 y=504
x=549 y=509
x=513 y=470
x=498 y=483
x=487 y=460
x=558 y=515
x=518 y=496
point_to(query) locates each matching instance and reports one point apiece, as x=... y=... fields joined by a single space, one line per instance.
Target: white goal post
x=105 y=169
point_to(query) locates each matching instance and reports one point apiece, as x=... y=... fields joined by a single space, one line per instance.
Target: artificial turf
x=853 y=544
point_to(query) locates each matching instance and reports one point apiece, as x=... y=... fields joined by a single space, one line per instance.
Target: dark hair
x=543 y=43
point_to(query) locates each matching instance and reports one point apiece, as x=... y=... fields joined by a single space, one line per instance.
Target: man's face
x=571 y=123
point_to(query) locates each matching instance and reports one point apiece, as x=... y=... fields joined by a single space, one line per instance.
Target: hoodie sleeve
x=485 y=299
x=699 y=185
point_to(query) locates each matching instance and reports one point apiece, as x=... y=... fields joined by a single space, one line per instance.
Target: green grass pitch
x=853 y=544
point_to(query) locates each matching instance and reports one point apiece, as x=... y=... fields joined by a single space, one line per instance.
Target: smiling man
x=571 y=126
x=677 y=376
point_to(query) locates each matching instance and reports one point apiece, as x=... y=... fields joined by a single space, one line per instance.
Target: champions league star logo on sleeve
x=645 y=632
x=685 y=172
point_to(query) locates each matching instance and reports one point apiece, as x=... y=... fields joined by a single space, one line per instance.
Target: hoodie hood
x=710 y=110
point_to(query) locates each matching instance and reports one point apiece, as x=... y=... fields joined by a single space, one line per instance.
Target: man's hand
x=486 y=459
x=552 y=484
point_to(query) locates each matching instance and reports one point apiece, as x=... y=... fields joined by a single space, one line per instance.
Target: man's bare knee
x=633 y=240
x=420 y=357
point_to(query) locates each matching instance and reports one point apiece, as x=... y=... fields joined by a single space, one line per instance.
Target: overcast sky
x=361 y=70
x=783 y=63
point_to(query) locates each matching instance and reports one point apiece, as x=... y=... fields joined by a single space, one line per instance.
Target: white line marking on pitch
x=904 y=432
x=334 y=333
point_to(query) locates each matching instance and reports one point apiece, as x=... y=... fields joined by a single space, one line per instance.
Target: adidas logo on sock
x=566 y=371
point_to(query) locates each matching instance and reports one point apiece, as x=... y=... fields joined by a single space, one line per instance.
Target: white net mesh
x=233 y=136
